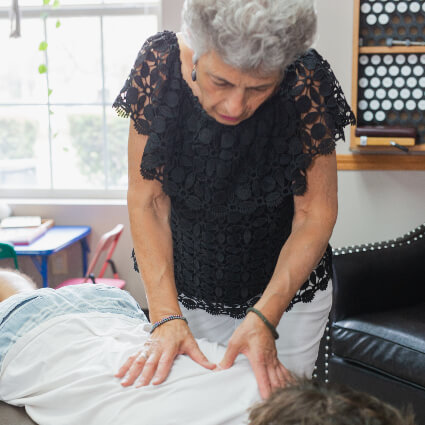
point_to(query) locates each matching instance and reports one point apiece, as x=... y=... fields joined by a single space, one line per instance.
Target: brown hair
x=311 y=403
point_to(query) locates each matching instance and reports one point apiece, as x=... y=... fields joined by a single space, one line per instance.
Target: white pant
x=300 y=331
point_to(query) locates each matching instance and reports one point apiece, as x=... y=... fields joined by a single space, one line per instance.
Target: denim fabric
x=23 y=312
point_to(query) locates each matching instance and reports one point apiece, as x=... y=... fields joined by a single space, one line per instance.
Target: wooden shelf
x=384 y=142
x=393 y=49
x=352 y=162
x=390 y=149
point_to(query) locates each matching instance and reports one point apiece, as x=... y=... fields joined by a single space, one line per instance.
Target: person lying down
x=60 y=350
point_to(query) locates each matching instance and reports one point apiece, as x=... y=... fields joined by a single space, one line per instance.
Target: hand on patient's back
x=256 y=342
x=153 y=363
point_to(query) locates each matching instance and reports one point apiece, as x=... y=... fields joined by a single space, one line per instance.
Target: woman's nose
x=235 y=103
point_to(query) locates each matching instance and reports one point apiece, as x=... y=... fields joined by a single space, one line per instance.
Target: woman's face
x=228 y=94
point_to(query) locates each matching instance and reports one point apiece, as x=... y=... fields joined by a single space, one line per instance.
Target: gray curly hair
x=252 y=35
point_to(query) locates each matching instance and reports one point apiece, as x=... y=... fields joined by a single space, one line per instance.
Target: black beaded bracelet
x=266 y=322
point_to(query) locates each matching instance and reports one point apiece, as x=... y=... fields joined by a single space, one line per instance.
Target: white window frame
x=65 y=11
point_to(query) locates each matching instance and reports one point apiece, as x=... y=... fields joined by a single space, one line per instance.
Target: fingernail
x=141 y=383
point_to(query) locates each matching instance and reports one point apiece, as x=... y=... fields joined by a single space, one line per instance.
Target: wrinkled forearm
x=151 y=232
x=298 y=257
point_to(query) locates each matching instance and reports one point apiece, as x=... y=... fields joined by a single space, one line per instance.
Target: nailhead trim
x=326 y=355
x=407 y=239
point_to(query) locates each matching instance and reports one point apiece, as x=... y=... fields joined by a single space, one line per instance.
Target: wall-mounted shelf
x=393 y=49
x=380 y=162
x=388 y=83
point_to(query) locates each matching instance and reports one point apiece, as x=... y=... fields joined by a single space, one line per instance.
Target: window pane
x=7 y=3
x=39 y=3
x=20 y=81
x=72 y=148
x=121 y=47
x=117 y=131
x=75 y=73
x=24 y=148
x=79 y=2
x=77 y=146
x=134 y=2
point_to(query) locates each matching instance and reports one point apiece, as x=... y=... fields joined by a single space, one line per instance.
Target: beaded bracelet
x=167 y=319
x=266 y=322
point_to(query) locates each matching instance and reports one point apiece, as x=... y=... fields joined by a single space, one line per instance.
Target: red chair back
x=107 y=243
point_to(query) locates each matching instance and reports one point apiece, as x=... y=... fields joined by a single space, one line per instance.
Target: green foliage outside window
x=87 y=139
x=17 y=138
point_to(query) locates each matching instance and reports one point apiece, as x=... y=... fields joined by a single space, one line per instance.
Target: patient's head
x=13 y=282
x=310 y=403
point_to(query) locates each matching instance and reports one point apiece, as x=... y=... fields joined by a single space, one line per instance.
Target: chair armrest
x=379 y=276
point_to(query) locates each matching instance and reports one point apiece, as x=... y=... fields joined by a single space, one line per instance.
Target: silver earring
x=194 y=73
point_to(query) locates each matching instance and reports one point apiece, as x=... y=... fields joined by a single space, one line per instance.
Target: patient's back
x=62 y=369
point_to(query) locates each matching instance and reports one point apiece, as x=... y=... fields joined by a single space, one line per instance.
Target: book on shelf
x=24 y=235
x=385 y=131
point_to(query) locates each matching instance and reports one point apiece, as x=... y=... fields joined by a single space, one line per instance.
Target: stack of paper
x=21 y=221
x=23 y=230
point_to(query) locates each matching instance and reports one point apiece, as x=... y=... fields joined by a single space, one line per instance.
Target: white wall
x=374 y=205
x=171 y=11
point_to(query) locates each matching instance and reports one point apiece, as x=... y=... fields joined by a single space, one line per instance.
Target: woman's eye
x=259 y=89
x=220 y=84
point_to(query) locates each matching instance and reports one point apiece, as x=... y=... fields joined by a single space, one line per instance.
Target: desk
x=54 y=240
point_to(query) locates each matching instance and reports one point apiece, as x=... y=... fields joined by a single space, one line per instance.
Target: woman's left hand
x=255 y=341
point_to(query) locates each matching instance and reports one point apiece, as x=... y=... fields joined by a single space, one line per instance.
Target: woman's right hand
x=157 y=356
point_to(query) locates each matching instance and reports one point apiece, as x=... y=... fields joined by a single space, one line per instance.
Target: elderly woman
x=233 y=187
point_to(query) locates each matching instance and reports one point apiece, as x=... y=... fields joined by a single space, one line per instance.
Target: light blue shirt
x=23 y=312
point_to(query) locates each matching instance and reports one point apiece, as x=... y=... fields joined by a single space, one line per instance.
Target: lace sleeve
x=150 y=98
x=322 y=111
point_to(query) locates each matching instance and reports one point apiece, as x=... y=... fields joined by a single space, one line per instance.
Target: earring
x=194 y=73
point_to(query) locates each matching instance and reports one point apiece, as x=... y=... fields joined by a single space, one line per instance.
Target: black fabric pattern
x=232 y=188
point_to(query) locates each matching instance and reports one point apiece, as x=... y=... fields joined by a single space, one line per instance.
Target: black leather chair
x=377 y=327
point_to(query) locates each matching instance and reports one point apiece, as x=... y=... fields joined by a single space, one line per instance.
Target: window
x=69 y=141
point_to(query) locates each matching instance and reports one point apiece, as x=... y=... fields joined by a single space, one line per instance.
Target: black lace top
x=232 y=187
